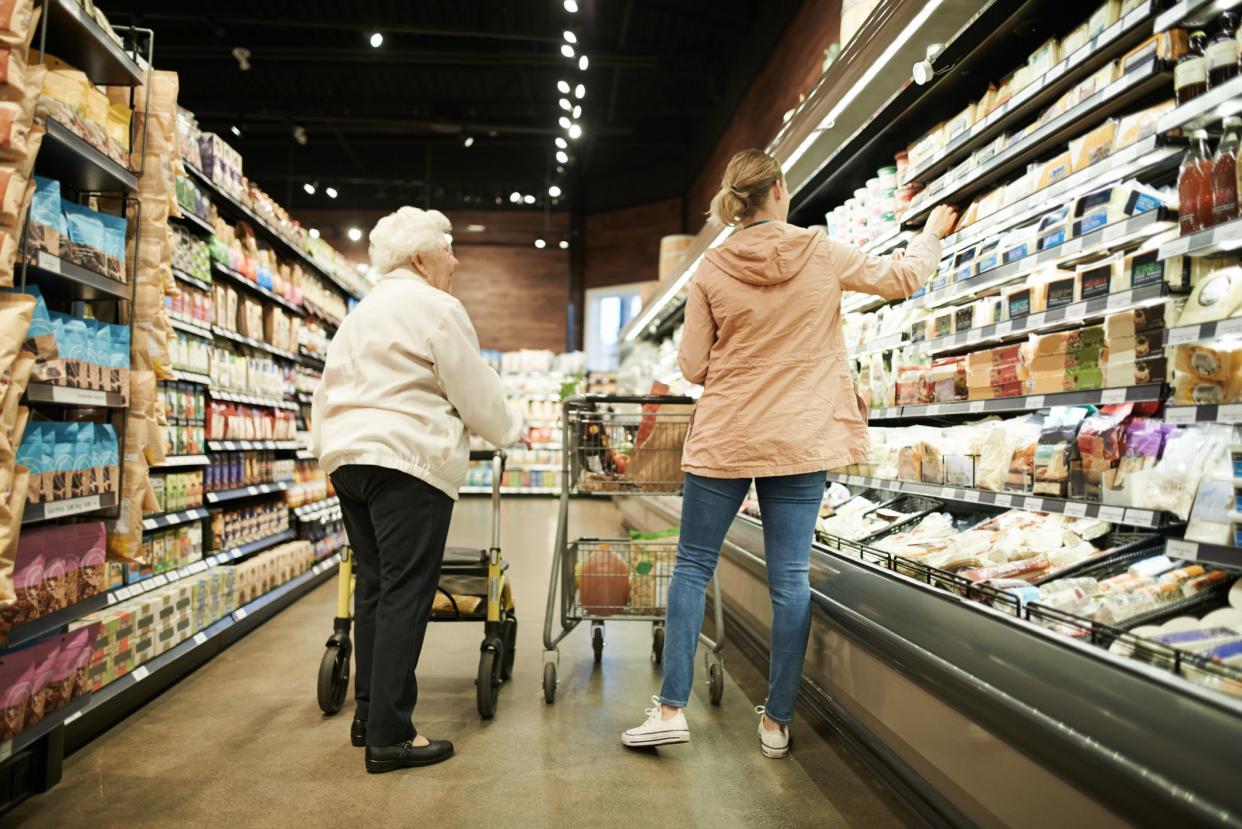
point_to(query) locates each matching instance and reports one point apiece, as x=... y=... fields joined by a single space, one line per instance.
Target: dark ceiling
x=387 y=126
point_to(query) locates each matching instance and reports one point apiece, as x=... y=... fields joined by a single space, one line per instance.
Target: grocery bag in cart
x=651 y=569
x=655 y=464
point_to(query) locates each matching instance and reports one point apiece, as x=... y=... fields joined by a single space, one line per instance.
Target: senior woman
x=402 y=384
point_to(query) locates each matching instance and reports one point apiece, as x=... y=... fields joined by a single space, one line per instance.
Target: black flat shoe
x=380 y=759
x=358 y=732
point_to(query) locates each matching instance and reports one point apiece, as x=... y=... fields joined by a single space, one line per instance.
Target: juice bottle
x=1225 y=174
x=1194 y=186
x=1190 y=75
x=1222 y=52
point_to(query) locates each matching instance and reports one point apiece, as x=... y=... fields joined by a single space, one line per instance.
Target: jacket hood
x=767 y=254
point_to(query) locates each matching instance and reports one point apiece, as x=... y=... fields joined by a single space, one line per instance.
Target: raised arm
x=469 y=382
x=698 y=336
x=898 y=276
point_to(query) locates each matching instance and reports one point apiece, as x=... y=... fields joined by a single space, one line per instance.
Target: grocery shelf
x=305 y=455
x=70 y=159
x=53 y=273
x=192 y=219
x=190 y=279
x=1205 y=111
x=28 y=736
x=1115 y=235
x=305 y=398
x=1190 y=13
x=65 y=396
x=71 y=506
x=1041 y=321
x=253 y=343
x=1106 y=46
x=242 y=550
x=75 y=37
x=1222 y=555
x=318 y=313
x=1128 y=516
x=250 y=399
x=246 y=492
x=1204 y=332
x=33 y=629
x=316 y=510
x=1032 y=402
x=885 y=343
x=255 y=288
x=250 y=445
x=181 y=461
x=1211 y=242
x=172 y=519
x=888 y=241
x=1224 y=413
x=311 y=361
x=191 y=377
x=1147 y=79
x=190 y=328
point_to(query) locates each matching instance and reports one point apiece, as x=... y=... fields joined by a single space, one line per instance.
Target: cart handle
x=612 y=398
x=498 y=458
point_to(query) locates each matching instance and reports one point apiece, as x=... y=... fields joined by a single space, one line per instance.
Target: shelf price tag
x=1229 y=326
x=971 y=495
x=200 y=638
x=1120 y=300
x=976 y=406
x=933 y=410
x=1033 y=504
x=1003 y=328
x=1004 y=499
x=239 y=614
x=140 y=673
x=1035 y=320
x=1180 y=548
x=1181 y=336
x=1111 y=396
x=1114 y=514
x=47 y=261
x=1075 y=509
x=1229 y=414
x=1140 y=517
x=1035 y=401
x=1180 y=415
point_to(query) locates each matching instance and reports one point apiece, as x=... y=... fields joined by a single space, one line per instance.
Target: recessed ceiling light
x=564 y=122
x=377 y=40
x=561 y=142
x=583 y=63
x=354 y=234
x=529 y=199
x=570 y=37
x=564 y=245
x=563 y=87
x=469 y=141
x=314 y=233
x=331 y=191
x=575 y=132
x=475 y=228
x=577 y=112
x=235 y=130
x=571 y=6
x=562 y=156
x=565 y=104
x=567 y=50
x=580 y=91
x=554 y=191
x=515 y=197
x=309 y=188
x=541 y=244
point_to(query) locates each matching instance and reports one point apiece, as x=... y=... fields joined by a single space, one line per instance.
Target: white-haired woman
x=402 y=384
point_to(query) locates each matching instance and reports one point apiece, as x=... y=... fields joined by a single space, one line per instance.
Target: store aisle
x=242 y=743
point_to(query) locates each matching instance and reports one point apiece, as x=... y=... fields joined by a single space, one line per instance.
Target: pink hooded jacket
x=763 y=337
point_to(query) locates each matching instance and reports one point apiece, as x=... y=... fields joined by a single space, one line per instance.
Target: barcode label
x=140 y=673
x=1229 y=414
x=1229 y=326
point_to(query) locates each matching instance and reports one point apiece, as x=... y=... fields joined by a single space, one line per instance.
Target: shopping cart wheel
x=508 y=635
x=657 y=645
x=333 y=678
x=597 y=641
x=487 y=685
x=549 y=683
x=715 y=681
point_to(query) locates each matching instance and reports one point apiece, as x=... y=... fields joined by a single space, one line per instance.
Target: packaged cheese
x=1189 y=390
x=1139 y=125
x=1026 y=299
x=988 y=256
x=960 y=123
x=1167 y=46
x=1074 y=41
x=1020 y=242
x=1044 y=58
x=1129 y=324
x=1020 y=187
x=991 y=203
x=1103 y=17
x=1054 y=228
x=1218 y=296
x=1097 y=278
x=1094 y=146
x=1207 y=362
x=987 y=311
x=1063 y=289
x=1112 y=204
x=1054 y=170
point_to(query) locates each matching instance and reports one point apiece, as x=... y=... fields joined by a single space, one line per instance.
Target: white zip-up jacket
x=403 y=383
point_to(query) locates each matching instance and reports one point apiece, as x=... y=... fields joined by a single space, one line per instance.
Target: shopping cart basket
x=619 y=446
x=473 y=587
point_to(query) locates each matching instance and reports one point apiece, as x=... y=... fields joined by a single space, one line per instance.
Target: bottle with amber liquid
x=1194 y=186
x=1225 y=174
x=1222 y=52
x=1190 y=75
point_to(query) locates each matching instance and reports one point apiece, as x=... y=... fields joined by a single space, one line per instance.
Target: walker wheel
x=715 y=682
x=657 y=645
x=597 y=642
x=549 y=683
x=487 y=685
x=333 y=678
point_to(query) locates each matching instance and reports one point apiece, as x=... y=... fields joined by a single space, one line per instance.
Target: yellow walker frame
x=466 y=571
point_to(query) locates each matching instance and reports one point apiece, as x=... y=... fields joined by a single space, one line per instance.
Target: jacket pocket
x=864 y=410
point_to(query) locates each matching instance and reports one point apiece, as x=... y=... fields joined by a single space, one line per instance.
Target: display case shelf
x=28 y=736
x=1222 y=555
x=323 y=316
x=69 y=159
x=1029 y=403
x=253 y=343
x=1205 y=332
x=181 y=462
x=246 y=492
x=1230 y=413
x=255 y=288
x=191 y=328
x=71 y=506
x=1206 y=110
x=316 y=510
x=154 y=582
x=190 y=279
x=251 y=399
x=50 y=623
x=172 y=519
x=1190 y=13
x=243 y=550
x=193 y=220
x=65 y=278
x=251 y=445
x=1214 y=241
x=311 y=361
x=1127 y=516
x=191 y=377
x=78 y=39
x=65 y=396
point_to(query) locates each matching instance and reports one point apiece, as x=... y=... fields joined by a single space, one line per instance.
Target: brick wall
x=623 y=246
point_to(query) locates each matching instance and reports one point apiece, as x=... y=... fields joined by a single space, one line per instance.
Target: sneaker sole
x=663 y=738
x=382 y=766
x=774 y=753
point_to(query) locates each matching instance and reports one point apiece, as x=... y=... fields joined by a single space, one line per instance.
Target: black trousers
x=397 y=526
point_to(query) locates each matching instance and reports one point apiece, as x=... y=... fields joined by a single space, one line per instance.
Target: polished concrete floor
x=241 y=742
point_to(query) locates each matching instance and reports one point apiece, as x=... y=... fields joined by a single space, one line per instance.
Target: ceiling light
x=564 y=122
x=299 y=135
x=575 y=132
x=469 y=141
x=563 y=87
x=567 y=50
x=554 y=191
x=475 y=228
x=565 y=104
x=561 y=142
x=564 y=245
x=242 y=55
x=583 y=63
x=235 y=130
x=529 y=199
x=309 y=188
x=541 y=244
x=570 y=37
x=331 y=191
x=571 y=6
x=577 y=112
x=377 y=40
x=354 y=234
x=580 y=91
x=314 y=233
x=562 y=156
x=515 y=197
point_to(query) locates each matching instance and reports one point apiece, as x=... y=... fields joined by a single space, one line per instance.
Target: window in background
x=608 y=311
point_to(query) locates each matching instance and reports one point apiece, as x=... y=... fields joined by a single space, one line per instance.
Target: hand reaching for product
x=525 y=438
x=942 y=220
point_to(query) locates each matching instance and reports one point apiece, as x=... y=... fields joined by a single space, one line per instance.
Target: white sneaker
x=656 y=731
x=775 y=744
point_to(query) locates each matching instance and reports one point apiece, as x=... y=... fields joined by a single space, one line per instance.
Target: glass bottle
x=1225 y=174
x=1194 y=186
x=1222 y=52
x=1190 y=73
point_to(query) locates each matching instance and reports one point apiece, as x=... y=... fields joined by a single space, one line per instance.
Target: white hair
x=398 y=236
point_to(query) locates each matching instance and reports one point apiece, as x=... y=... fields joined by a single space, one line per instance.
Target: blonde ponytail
x=745 y=186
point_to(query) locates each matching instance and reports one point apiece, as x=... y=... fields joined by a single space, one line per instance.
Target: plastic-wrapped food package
x=1187 y=454
x=1055 y=450
x=1144 y=443
x=1209 y=517
x=1020 y=475
x=1101 y=441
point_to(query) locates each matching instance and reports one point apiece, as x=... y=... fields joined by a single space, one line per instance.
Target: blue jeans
x=790 y=506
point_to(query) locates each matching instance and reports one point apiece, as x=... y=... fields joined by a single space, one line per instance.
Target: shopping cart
x=619 y=446
x=473 y=587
